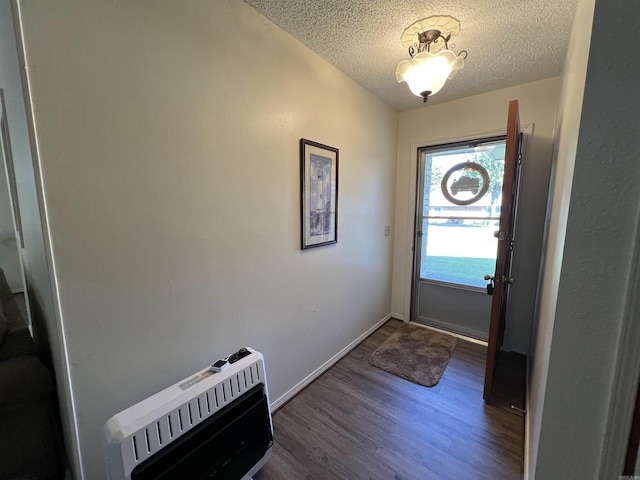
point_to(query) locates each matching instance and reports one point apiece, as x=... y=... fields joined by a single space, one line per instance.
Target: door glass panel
x=460 y=212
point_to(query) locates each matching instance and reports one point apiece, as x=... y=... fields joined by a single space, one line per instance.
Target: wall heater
x=208 y=426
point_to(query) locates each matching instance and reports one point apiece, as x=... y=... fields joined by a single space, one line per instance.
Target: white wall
x=10 y=83
x=34 y=256
x=585 y=299
x=9 y=260
x=468 y=118
x=566 y=139
x=168 y=137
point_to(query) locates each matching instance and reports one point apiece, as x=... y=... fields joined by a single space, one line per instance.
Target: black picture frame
x=318 y=194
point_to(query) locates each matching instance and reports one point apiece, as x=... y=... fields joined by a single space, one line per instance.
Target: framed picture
x=319 y=192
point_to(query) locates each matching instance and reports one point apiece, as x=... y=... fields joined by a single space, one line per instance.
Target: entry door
x=501 y=278
x=458 y=211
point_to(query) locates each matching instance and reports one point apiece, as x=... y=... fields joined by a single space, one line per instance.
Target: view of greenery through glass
x=458 y=243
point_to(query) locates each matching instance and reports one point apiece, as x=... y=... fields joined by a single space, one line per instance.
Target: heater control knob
x=243 y=352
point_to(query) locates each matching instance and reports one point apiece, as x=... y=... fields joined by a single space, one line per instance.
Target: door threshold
x=453 y=334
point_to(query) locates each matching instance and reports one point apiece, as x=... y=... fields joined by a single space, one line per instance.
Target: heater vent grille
x=151 y=438
x=141 y=431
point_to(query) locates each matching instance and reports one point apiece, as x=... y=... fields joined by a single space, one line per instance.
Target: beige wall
x=168 y=136
x=469 y=118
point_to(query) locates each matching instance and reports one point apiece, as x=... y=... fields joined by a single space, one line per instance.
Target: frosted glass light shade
x=428 y=72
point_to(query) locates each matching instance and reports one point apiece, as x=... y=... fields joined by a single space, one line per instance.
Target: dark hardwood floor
x=359 y=422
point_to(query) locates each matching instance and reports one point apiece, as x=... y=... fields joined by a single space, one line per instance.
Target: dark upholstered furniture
x=27 y=439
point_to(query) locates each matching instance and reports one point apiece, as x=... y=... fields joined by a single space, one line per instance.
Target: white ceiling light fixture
x=427 y=72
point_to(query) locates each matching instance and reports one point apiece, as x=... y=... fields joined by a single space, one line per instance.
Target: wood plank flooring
x=358 y=422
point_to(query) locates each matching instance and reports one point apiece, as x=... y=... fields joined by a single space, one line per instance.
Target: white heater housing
x=139 y=432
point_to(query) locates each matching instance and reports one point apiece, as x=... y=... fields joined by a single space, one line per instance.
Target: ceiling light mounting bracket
x=425 y=39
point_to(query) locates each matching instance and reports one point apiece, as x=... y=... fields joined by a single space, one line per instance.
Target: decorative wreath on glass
x=465 y=183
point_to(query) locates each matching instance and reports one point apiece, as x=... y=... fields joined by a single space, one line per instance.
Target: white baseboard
x=397 y=316
x=326 y=365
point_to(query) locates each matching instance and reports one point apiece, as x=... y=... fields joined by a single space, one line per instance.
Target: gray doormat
x=415 y=353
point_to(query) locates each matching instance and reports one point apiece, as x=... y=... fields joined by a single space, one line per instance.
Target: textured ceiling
x=509 y=42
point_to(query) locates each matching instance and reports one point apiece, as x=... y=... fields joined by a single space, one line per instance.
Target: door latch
x=491 y=284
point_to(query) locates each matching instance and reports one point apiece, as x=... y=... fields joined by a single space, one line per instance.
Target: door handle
x=502 y=280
